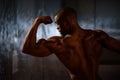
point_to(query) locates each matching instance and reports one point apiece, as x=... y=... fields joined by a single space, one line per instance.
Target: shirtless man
x=78 y=49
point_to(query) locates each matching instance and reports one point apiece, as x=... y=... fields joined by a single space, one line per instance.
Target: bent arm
x=111 y=43
x=30 y=46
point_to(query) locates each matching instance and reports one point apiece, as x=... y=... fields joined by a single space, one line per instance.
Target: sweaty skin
x=78 y=49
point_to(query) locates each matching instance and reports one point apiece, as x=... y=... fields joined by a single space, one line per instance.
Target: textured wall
x=16 y=17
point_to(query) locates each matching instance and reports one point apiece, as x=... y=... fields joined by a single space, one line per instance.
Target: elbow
x=24 y=50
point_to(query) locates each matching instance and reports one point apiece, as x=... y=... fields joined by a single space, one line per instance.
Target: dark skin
x=79 y=51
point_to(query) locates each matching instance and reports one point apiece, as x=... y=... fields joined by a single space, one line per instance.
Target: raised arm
x=30 y=46
x=110 y=42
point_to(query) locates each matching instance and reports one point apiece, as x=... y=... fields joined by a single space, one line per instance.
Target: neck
x=79 y=31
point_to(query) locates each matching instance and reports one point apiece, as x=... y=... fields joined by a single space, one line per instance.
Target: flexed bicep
x=29 y=45
x=39 y=50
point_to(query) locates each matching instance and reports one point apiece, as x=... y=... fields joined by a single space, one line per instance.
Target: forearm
x=30 y=39
x=30 y=46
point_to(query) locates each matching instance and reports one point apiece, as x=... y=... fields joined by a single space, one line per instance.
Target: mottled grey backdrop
x=16 y=17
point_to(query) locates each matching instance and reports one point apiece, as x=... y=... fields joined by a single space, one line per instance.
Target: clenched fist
x=44 y=19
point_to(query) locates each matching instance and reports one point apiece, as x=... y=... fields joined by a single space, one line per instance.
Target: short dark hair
x=67 y=17
x=66 y=13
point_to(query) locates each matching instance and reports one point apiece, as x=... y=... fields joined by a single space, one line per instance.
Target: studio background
x=16 y=18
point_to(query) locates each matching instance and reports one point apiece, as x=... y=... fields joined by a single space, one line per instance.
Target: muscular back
x=79 y=54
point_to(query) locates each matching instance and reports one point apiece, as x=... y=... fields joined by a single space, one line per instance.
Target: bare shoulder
x=108 y=41
x=58 y=38
x=62 y=40
x=49 y=40
x=55 y=44
x=101 y=34
x=54 y=38
x=100 y=31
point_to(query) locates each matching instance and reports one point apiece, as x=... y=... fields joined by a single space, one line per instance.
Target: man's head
x=66 y=19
